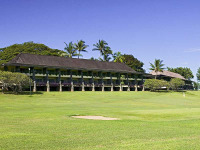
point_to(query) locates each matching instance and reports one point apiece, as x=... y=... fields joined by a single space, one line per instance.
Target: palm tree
x=100 y=46
x=107 y=53
x=80 y=47
x=70 y=50
x=118 y=57
x=104 y=49
x=62 y=54
x=157 y=66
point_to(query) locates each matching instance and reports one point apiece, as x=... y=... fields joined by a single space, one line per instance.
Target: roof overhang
x=58 y=67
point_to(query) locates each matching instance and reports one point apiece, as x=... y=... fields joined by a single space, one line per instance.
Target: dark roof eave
x=30 y=65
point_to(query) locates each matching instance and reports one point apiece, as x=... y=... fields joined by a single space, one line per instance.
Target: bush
x=196 y=85
x=154 y=84
x=13 y=81
x=176 y=83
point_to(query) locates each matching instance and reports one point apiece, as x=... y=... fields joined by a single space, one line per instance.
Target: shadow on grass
x=24 y=93
x=170 y=91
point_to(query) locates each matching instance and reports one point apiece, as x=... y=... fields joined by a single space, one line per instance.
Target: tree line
x=15 y=82
x=76 y=49
x=71 y=50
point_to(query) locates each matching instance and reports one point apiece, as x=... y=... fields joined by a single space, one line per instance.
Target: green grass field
x=148 y=121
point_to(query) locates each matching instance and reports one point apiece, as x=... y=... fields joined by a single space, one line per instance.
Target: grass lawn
x=148 y=121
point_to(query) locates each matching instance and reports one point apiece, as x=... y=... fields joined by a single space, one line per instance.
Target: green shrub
x=176 y=83
x=154 y=84
x=14 y=81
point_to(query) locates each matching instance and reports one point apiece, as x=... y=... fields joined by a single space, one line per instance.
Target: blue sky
x=148 y=29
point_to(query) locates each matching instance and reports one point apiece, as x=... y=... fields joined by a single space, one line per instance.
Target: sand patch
x=95 y=117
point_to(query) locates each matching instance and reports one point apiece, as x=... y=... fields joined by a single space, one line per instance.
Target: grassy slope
x=148 y=121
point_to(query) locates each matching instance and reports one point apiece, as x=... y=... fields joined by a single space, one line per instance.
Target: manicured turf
x=148 y=121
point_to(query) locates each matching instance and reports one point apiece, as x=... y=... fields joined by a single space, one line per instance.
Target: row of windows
x=88 y=81
x=78 y=73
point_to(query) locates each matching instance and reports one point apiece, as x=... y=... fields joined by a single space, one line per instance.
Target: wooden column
x=111 y=83
x=60 y=84
x=143 y=88
x=136 y=84
x=34 y=81
x=93 y=87
x=48 y=86
x=59 y=80
x=112 y=87
x=47 y=79
x=72 y=86
x=120 y=84
x=102 y=87
x=34 y=86
x=83 y=85
x=33 y=76
x=128 y=88
x=120 y=87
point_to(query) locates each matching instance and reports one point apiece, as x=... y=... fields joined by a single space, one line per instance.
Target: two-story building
x=53 y=73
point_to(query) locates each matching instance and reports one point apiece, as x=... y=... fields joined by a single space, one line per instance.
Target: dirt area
x=95 y=117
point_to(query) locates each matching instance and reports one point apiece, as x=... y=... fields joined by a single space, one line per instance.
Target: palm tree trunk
x=78 y=54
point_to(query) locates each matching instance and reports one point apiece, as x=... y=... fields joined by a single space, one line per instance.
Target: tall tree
x=70 y=50
x=104 y=49
x=184 y=71
x=198 y=74
x=100 y=46
x=157 y=66
x=9 y=52
x=118 y=57
x=107 y=54
x=80 y=47
x=132 y=62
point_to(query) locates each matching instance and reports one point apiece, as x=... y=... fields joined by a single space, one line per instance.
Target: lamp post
x=30 y=79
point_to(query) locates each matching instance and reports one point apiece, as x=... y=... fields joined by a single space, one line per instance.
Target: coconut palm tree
x=104 y=49
x=118 y=57
x=80 y=47
x=100 y=46
x=70 y=50
x=157 y=66
x=107 y=53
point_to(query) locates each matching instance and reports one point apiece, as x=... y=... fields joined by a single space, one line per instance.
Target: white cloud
x=192 y=50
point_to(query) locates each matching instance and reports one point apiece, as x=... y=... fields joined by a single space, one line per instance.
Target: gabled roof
x=168 y=73
x=68 y=63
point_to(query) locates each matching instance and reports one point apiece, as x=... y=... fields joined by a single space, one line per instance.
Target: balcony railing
x=54 y=84
x=40 y=74
x=87 y=76
x=53 y=75
x=66 y=84
x=77 y=84
x=65 y=75
x=98 y=84
x=41 y=83
x=106 y=77
x=76 y=76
